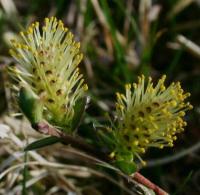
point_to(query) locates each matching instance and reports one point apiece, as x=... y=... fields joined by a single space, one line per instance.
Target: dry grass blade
x=80 y=20
x=9 y=7
x=145 y=6
x=100 y=14
x=178 y=7
x=71 y=168
x=188 y=45
x=127 y=22
x=17 y=189
x=168 y=159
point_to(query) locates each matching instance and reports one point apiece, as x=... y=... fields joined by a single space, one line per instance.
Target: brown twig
x=74 y=141
x=143 y=180
x=79 y=143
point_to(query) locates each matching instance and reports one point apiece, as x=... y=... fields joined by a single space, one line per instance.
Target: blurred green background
x=121 y=40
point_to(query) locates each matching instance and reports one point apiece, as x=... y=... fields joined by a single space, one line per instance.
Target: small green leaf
x=30 y=105
x=125 y=156
x=79 y=110
x=126 y=167
x=42 y=143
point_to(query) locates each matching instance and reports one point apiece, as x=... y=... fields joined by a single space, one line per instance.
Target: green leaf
x=42 y=143
x=125 y=156
x=79 y=110
x=30 y=105
x=126 y=167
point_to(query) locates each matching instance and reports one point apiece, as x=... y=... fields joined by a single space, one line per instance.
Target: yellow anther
x=181 y=113
x=128 y=86
x=161 y=146
x=187 y=95
x=12 y=52
x=134 y=85
x=146 y=141
x=169 y=136
x=171 y=144
x=19 y=46
x=173 y=103
x=174 y=129
x=149 y=79
x=162 y=88
x=172 y=92
x=121 y=107
x=190 y=107
x=163 y=134
x=30 y=30
x=142 y=150
x=85 y=87
x=118 y=95
x=164 y=77
x=122 y=96
x=112 y=155
x=139 y=79
x=46 y=20
x=137 y=129
x=60 y=23
x=25 y=47
x=78 y=45
x=37 y=24
x=21 y=33
x=135 y=143
x=144 y=163
x=151 y=118
x=184 y=123
x=164 y=111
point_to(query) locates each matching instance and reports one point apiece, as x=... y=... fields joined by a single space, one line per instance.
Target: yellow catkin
x=151 y=116
x=49 y=59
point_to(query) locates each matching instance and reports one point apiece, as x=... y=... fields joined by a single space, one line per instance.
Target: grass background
x=121 y=40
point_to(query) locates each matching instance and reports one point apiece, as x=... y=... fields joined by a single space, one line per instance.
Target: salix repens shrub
x=51 y=85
